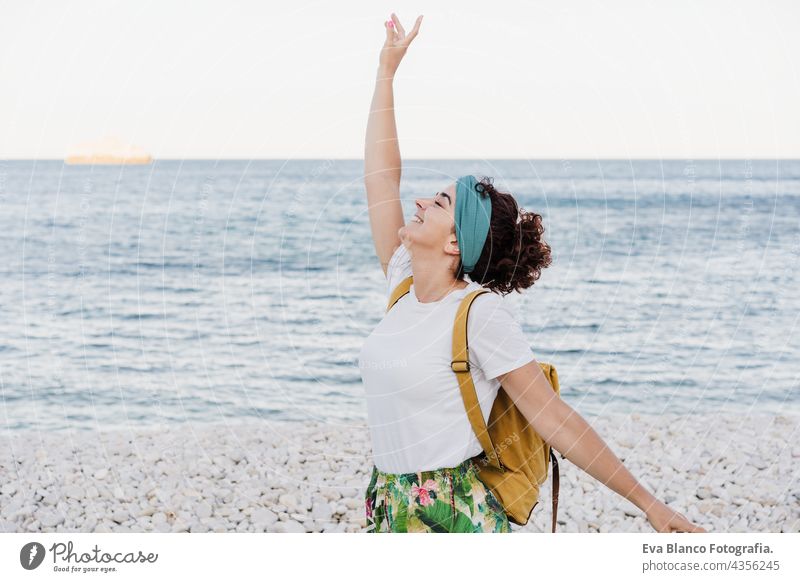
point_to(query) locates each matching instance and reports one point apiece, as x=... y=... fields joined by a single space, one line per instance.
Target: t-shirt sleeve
x=496 y=342
x=399 y=268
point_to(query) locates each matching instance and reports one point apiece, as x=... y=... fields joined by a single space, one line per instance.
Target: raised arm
x=382 y=163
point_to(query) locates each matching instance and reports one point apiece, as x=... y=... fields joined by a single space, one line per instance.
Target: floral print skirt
x=444 y=500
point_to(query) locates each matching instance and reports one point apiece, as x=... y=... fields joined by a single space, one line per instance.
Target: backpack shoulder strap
x=401 y=289
x=460 y=365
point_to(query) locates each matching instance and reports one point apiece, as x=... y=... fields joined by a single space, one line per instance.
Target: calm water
x=205 y=292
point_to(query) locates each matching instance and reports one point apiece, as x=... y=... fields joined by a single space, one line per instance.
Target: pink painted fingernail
x=391 y=24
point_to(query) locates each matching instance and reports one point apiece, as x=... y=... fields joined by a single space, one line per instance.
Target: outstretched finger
x=398 y=26
x=412 y=35
x=389 y=31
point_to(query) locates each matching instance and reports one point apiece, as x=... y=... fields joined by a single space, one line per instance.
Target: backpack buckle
x=460 y=365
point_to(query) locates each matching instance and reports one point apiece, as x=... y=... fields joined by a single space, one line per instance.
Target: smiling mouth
x=417 y=219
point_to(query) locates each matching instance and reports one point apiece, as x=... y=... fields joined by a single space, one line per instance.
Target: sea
x=200 y=292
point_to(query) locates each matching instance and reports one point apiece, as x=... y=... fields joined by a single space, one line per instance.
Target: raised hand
x=396 y=44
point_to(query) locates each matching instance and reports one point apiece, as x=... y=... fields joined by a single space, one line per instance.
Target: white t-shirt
x=415 y=411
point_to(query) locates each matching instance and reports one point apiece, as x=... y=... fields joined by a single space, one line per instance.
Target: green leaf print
x=378 y=516
x=438 y=516
x=400 y=523
x=463 y=524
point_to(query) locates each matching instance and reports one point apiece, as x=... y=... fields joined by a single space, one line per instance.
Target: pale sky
x=520 y=79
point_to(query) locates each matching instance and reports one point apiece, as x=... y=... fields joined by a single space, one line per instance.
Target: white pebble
x=203 y=509
x=263 y=517
x=50 y=518
x=322 y=511
x=290 y=526
x=74 y=492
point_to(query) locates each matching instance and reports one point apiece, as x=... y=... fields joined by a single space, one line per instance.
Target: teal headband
x=473 y=214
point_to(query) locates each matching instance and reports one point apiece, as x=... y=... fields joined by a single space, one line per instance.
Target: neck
x=433 y=279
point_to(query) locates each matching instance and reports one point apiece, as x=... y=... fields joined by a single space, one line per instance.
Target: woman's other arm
x=567 y=432
x=382 y=164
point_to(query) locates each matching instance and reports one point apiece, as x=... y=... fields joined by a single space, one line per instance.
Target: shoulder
x=489 y=308
x=485 y=303
x=497 y=340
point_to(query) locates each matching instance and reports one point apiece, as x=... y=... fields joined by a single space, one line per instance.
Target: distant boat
x=107 y=159
x=109 y=150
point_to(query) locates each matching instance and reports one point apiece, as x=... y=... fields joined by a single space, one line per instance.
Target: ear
x=451 y=248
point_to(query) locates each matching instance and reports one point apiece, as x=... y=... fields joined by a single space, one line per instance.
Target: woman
x=424 y=477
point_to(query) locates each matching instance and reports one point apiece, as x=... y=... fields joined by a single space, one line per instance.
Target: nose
x=423 y=203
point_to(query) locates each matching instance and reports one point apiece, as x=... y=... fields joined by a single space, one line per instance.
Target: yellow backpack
x=515 y=458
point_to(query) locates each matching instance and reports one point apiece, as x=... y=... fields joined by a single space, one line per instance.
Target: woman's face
x=433 y=223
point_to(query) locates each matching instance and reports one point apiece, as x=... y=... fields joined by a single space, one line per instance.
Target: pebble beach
x=727 y=473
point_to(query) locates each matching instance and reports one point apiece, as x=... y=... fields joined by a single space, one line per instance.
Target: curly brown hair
x=514 y=254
